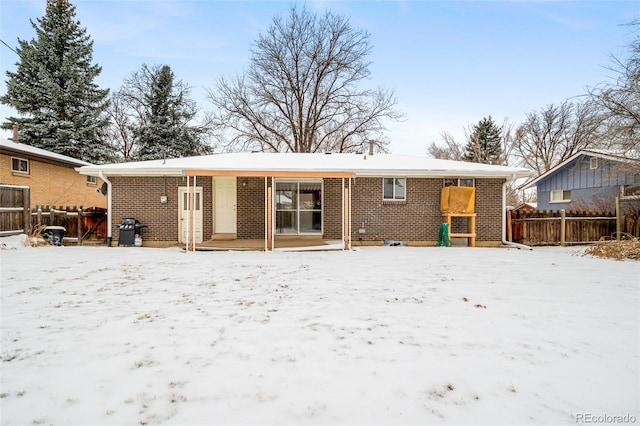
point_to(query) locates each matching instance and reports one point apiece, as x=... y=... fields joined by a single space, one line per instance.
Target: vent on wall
x=593 y=163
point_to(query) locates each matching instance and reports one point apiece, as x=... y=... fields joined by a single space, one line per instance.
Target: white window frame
x=92 y=180
x=394 y=197
x=563 y=192
x=593 y=163
x=20 y=161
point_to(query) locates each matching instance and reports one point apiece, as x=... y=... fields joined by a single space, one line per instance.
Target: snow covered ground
x=379 y=335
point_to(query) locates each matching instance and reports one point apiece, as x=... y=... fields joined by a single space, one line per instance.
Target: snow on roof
x=360 y=165
x=39 y=152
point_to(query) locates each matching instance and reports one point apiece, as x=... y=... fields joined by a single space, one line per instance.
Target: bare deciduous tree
x=620 y=99
x=118 y=133
x=555 y=133
x=451 y=150
x=300 y=92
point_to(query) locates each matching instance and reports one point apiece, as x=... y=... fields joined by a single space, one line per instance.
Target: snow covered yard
x=380 y=335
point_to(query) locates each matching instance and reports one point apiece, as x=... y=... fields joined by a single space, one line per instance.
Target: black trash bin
x=54 y=234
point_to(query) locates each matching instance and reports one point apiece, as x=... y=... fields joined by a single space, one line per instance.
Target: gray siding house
x=589 y=181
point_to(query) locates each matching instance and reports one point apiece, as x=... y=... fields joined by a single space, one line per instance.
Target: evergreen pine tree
x=485 y=143
x=164 y=131
x=60 y=107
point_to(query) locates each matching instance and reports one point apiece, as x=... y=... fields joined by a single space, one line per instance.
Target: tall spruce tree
x=484 y=143
x=165 y=112
x=60 y=107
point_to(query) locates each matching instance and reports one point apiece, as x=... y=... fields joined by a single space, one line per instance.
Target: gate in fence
x=15 y=217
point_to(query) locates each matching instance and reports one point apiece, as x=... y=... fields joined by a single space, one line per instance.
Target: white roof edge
x=95 y=171
x=443 y=173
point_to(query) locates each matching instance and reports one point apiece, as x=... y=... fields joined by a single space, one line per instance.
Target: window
x=19 y=165
x=560 y=196
x=593 y=163
x=393 y=189
x=298 y=207
x=630 y=191
x=92 y=180
x=459 y=182
x=186 y=202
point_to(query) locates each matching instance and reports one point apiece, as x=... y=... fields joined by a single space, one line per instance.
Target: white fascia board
x=444 y=173
x=92 y=171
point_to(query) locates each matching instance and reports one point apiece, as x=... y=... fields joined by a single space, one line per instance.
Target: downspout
x=504 y=217
x=108 y=182
x=350 y=212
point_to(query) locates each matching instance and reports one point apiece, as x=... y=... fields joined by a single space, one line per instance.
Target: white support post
x=350 y=218
x=273 y=213
x=193 y=216
x=187 y=208
x=343 y=203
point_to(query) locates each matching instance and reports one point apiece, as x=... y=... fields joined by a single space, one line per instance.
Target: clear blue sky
x=451 y=63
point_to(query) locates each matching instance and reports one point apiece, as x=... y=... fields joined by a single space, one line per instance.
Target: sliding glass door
x=298 y=207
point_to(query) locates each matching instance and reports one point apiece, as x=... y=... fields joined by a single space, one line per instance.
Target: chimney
x=371 y=145
x=15 y=133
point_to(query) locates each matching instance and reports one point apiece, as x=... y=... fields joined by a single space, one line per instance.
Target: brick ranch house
x=350 y=198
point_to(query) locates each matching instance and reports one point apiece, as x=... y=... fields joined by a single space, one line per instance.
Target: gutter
x=504 y=217
x=109 y=218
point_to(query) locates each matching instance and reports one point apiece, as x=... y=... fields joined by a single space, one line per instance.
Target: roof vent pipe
x=371 y=145
x=15 y=135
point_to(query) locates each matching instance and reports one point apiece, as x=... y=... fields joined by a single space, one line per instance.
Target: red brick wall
x=416 y=219
x=419 y=218
x=489 y=209
x=250 y=210
x=332 y=209
x=139 y=198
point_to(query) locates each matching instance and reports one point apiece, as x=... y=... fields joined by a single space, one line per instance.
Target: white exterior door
x=225 y=200
x=183 y=214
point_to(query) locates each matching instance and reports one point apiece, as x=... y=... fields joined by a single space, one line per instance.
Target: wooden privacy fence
x=14 y=209
x=550 y=228
x=81 y=224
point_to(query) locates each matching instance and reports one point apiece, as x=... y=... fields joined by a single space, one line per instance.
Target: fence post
x=563 y=227
x=509 y=227
x=79 y=227
x=26 y=212
x=618 y=219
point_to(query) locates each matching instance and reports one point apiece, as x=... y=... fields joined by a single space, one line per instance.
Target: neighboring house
x=350 y=197
x=51 y=178
x=526 y=207
x=590 y=180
